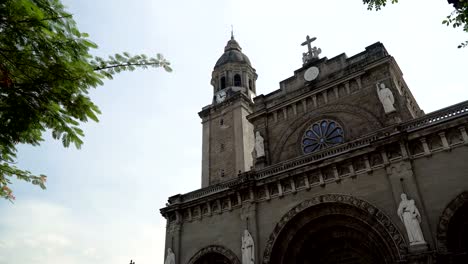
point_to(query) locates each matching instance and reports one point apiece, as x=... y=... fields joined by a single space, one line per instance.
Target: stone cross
x=307 y=42
x=312 y=53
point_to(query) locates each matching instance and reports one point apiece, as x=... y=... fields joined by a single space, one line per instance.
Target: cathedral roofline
x=295 y=85
x=376 y=50
x=431 y=123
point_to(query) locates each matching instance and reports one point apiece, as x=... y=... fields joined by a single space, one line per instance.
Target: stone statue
x=312 y=53
x=315 y=52
x=305 y=57
x=410 y=216
x=248 y=248
x=259 y=146
x=386 y=98
x=170 y=258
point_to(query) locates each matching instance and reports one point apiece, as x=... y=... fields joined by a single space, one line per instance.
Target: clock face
x=311 y=73
x=220 y=96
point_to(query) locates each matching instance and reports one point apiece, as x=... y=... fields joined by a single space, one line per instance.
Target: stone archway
x=329 y=111
x=335 y=228
x=214 y=255
x=452 y=231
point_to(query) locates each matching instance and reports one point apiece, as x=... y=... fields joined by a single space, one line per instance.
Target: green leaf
x=46 y=72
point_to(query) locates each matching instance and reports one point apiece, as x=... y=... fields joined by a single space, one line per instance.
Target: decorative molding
x=196 y=197
x=393 y=236
x=445 y=218
x=300 y=123
x=215 y=249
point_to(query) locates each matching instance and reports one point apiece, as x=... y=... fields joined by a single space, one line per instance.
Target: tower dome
x=232 y=54
x=233 y=72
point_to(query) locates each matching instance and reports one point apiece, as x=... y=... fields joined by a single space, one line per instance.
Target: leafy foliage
x=46 y=71
x=377 y=4
x=458 y=18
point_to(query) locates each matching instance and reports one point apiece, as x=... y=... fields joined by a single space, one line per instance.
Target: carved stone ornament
x=170 y=257
x=312 y=53
x=411 y=218
x=299 y=123
x=215 y=249
x=248 y=248
x=259 y=145
x=386 y=226
x=386 y=97
x=445 y=218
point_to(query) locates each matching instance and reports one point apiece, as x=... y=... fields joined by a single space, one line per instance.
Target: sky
x=102 y=202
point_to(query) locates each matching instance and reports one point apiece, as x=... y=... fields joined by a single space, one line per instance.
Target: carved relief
x=411 y=218
x=302 y=122
x=375 y=159
x=445 y=218
x=434 y=142
x=389 y=231
x=299 y=181
x=170 y=257
x=415 y=147
x=215 y=249
x=454 y=136
x=386 y=97
x=248 y=248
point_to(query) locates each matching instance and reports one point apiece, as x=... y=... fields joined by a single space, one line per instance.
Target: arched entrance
x=333 y=229
x=214 y=255
x=213 y=258
x=452 y=233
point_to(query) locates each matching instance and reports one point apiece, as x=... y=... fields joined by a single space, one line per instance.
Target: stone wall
x=350 y=99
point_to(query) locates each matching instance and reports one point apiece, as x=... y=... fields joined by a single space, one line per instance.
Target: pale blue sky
x=102 y=202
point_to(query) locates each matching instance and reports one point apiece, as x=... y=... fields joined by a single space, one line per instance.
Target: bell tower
x=228 y=138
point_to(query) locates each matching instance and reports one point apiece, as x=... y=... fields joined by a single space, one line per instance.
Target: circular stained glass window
x=321 y=135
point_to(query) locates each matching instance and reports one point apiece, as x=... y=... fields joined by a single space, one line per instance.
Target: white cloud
x=102 y=201
x=47 y=233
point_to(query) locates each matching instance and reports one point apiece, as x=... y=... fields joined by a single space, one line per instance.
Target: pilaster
x=403 y=180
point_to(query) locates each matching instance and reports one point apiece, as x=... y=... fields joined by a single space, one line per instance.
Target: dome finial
x=232 y=32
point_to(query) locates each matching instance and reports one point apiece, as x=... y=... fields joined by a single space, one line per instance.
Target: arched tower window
x=250 y=85
x=223 y=82
x=237 y=80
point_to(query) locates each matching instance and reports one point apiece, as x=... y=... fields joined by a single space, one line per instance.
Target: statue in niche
x=248 y=248
x=259 y=145
x=170 y=258
x=386 y=98
x=411 y=218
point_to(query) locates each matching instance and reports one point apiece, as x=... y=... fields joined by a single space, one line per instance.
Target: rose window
x=321 y=135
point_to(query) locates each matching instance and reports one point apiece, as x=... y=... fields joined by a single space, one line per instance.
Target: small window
x=221 y=122
x=221 y=147
x=250 y=85
x=237 y=80
x=223 y=82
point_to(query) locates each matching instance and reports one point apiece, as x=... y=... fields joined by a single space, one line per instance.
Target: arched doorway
x=333 y=229
x=213 y=258
x=452 y=232
x=214 y=255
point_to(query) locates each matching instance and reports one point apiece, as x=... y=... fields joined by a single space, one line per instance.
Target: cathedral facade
x=339 y=165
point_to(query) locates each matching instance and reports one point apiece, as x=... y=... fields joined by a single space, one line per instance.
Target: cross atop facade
x=307 y=42
x=312 y=53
